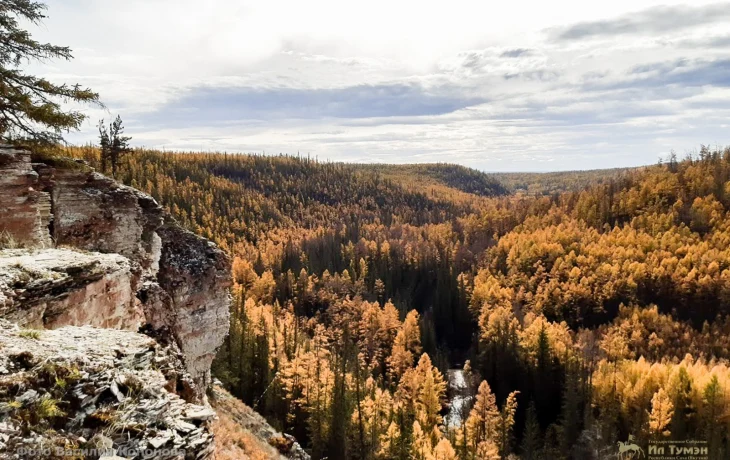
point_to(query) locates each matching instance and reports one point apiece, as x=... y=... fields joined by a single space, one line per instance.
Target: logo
x=688 y=449
x=629 y=450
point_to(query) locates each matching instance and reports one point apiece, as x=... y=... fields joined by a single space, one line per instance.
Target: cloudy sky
x=500 y=86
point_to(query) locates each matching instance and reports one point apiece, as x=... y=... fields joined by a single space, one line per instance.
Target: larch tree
x=481 y=425
x=406 y=346
x=662 y=411
x=505 y=424
x=30 y=106
x=444 y=450
x=390 y=443
x=431 y=394
x=421 y=447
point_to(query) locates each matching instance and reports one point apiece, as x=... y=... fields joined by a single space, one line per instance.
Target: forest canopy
x=580 y=315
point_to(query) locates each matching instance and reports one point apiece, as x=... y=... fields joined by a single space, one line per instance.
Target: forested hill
x=556 y=182
x=438 y=179
x=241 y=197
x=586 y=315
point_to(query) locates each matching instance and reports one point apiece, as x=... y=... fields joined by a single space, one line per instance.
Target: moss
x=47 y=408
x=57 y=160
x=30 y=334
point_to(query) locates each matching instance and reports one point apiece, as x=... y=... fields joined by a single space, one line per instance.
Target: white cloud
x=496 y=85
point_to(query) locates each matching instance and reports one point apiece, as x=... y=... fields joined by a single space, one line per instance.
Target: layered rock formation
x=49 y=288
x=161 y=276
x=110 y=317
x=25 y=210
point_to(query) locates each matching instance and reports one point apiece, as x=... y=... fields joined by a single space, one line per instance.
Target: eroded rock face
x=96 y=213
x=50 y=288
x=196 y=275
x=25 y=210
x=179 y=280
x=102 y=389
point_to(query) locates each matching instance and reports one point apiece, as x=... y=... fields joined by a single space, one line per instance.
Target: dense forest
x=591 y=310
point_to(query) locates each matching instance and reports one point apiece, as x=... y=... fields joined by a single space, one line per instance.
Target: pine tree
x=114 y=144
x=570 y=416
x=31 y=109
x=531 y=441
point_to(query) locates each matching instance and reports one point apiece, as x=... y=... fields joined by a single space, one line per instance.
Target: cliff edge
x=110 y=317
x=103 y=254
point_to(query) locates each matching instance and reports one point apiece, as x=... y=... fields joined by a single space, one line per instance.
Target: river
x=459 y=399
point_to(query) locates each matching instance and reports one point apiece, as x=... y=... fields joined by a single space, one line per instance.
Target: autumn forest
x=580 y=309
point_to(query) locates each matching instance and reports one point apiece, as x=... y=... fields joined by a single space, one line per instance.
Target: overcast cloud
x=500 y=86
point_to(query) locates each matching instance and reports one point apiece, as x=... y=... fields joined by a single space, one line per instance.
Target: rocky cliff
x=83 y=392
x=106 y=255
x=110 y=317
x=86 y=265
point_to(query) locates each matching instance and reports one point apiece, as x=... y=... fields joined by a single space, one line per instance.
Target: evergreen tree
x=531 y=438
x=570 y=416
x=114 y=144
x=31 y=108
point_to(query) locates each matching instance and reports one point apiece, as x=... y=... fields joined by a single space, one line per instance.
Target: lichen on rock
x=77 y=387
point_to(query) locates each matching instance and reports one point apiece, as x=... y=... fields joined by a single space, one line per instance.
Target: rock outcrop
x=195 y=274
x=96 y=213
x=50 y=288
x=25 y=210
x=83 y=392
x=110 y=317
x=178 y=281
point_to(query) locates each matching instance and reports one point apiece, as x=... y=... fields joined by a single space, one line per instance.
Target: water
x=459 y=399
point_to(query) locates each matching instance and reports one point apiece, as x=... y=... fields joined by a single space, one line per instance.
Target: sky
x=495 y=85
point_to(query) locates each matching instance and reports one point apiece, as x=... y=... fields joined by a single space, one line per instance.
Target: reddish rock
x=196 y=274
x=24 y=209
x=179 y=280
x=51 y=288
